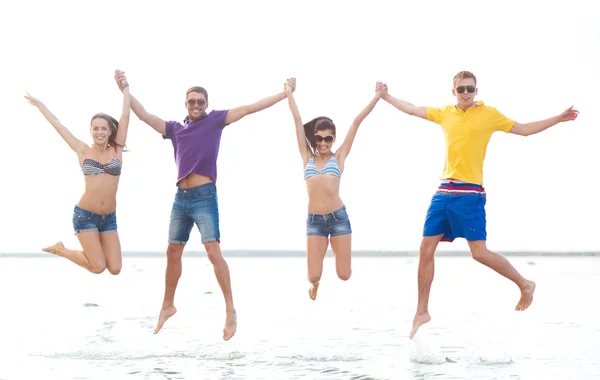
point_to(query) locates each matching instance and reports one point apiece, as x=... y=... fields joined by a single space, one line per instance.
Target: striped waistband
x=453 y=187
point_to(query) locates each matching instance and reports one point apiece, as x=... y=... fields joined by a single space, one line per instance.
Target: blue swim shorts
x=457 y=210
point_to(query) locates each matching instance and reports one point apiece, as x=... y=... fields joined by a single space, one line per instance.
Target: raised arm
x=155 y=122
x=236 y=114
x=77 y=145
x=121 y=136
x=534 y=127
x=305 y=152
x=344 y=150
x=406 y=107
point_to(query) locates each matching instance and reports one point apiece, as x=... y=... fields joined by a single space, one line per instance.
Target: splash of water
x=424 y=354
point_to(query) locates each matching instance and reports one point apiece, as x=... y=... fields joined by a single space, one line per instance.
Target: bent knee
x=479 y=250
x=344 y=275
x=314 y=278
x=115 y=270
x=97 y=268
x=479 y=254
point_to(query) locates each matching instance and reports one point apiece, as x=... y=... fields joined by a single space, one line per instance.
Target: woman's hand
x=290 y=85
x=33 y=101
x=121 y=79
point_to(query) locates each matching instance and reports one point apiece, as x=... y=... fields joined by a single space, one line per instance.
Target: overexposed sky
x=532 y=61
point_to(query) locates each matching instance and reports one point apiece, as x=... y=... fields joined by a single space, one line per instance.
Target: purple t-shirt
x=196 y=144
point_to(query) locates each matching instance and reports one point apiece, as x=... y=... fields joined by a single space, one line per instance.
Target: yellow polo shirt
x=467 y=134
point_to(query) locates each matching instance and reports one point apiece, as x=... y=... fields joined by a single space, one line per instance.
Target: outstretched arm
x=121 y=136
x=300 y=135
x=236 y=114
x=404 y=106
x=155 y=122
x=534 y=127
x=77 y=145
x=344 y=150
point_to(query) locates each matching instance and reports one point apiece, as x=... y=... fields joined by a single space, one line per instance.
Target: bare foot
x=420 y=319
x=312 y=292
x=230 y=325
x=166 y=313
x=526 y=296
x=55 y=249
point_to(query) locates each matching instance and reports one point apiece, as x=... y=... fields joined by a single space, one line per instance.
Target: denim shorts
x=197 y=205
x=336 y=223
x=457 y=215
x=84 y=221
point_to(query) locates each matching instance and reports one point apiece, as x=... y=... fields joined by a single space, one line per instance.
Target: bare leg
x=425 y=278
x=342 y=250
x=92 y=256
x=112 y=252
x=221 y=269
x=172 y=275
x=501 y=265
x=315 y=254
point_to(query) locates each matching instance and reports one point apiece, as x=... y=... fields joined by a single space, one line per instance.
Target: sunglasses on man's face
x=200 y=102
x=461 y=89
x=319 y=138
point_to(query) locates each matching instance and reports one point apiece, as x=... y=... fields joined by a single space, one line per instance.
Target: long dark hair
x=321 y=123
x=113 y=124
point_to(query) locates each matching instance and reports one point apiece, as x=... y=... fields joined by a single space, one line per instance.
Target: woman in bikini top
x=94 y=216
x=327 y=218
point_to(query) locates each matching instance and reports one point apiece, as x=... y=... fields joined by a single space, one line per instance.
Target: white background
x=532 y=61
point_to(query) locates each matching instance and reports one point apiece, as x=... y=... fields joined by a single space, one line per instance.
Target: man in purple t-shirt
x=196 y=147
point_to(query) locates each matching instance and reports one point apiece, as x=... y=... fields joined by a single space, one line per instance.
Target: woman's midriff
x=323 y=194
x=100 y=194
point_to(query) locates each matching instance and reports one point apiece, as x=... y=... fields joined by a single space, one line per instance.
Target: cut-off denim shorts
x=85 y=221
x=197 y=205
x=335 y=223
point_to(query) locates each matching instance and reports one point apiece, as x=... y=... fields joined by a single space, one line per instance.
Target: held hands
x=121 y=79
x=568 y=115
x=290 y=86
x=380 y=89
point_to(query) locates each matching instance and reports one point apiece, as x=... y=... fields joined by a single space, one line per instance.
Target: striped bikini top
x=331 y=167
x=93 y=167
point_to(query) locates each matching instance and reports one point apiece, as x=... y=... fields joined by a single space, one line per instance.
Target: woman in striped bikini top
x=93 y=167
x=327 y=220
x=315 y=140
x=331 y=167
x=101 y=165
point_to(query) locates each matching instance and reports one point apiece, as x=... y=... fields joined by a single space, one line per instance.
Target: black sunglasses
x=200 y=102
x=461 y=89
x=319 y=138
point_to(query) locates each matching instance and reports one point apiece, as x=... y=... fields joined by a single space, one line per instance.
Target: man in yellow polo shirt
x=458 y=207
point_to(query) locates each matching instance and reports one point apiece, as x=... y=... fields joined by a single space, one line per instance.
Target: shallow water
x=59 y=322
